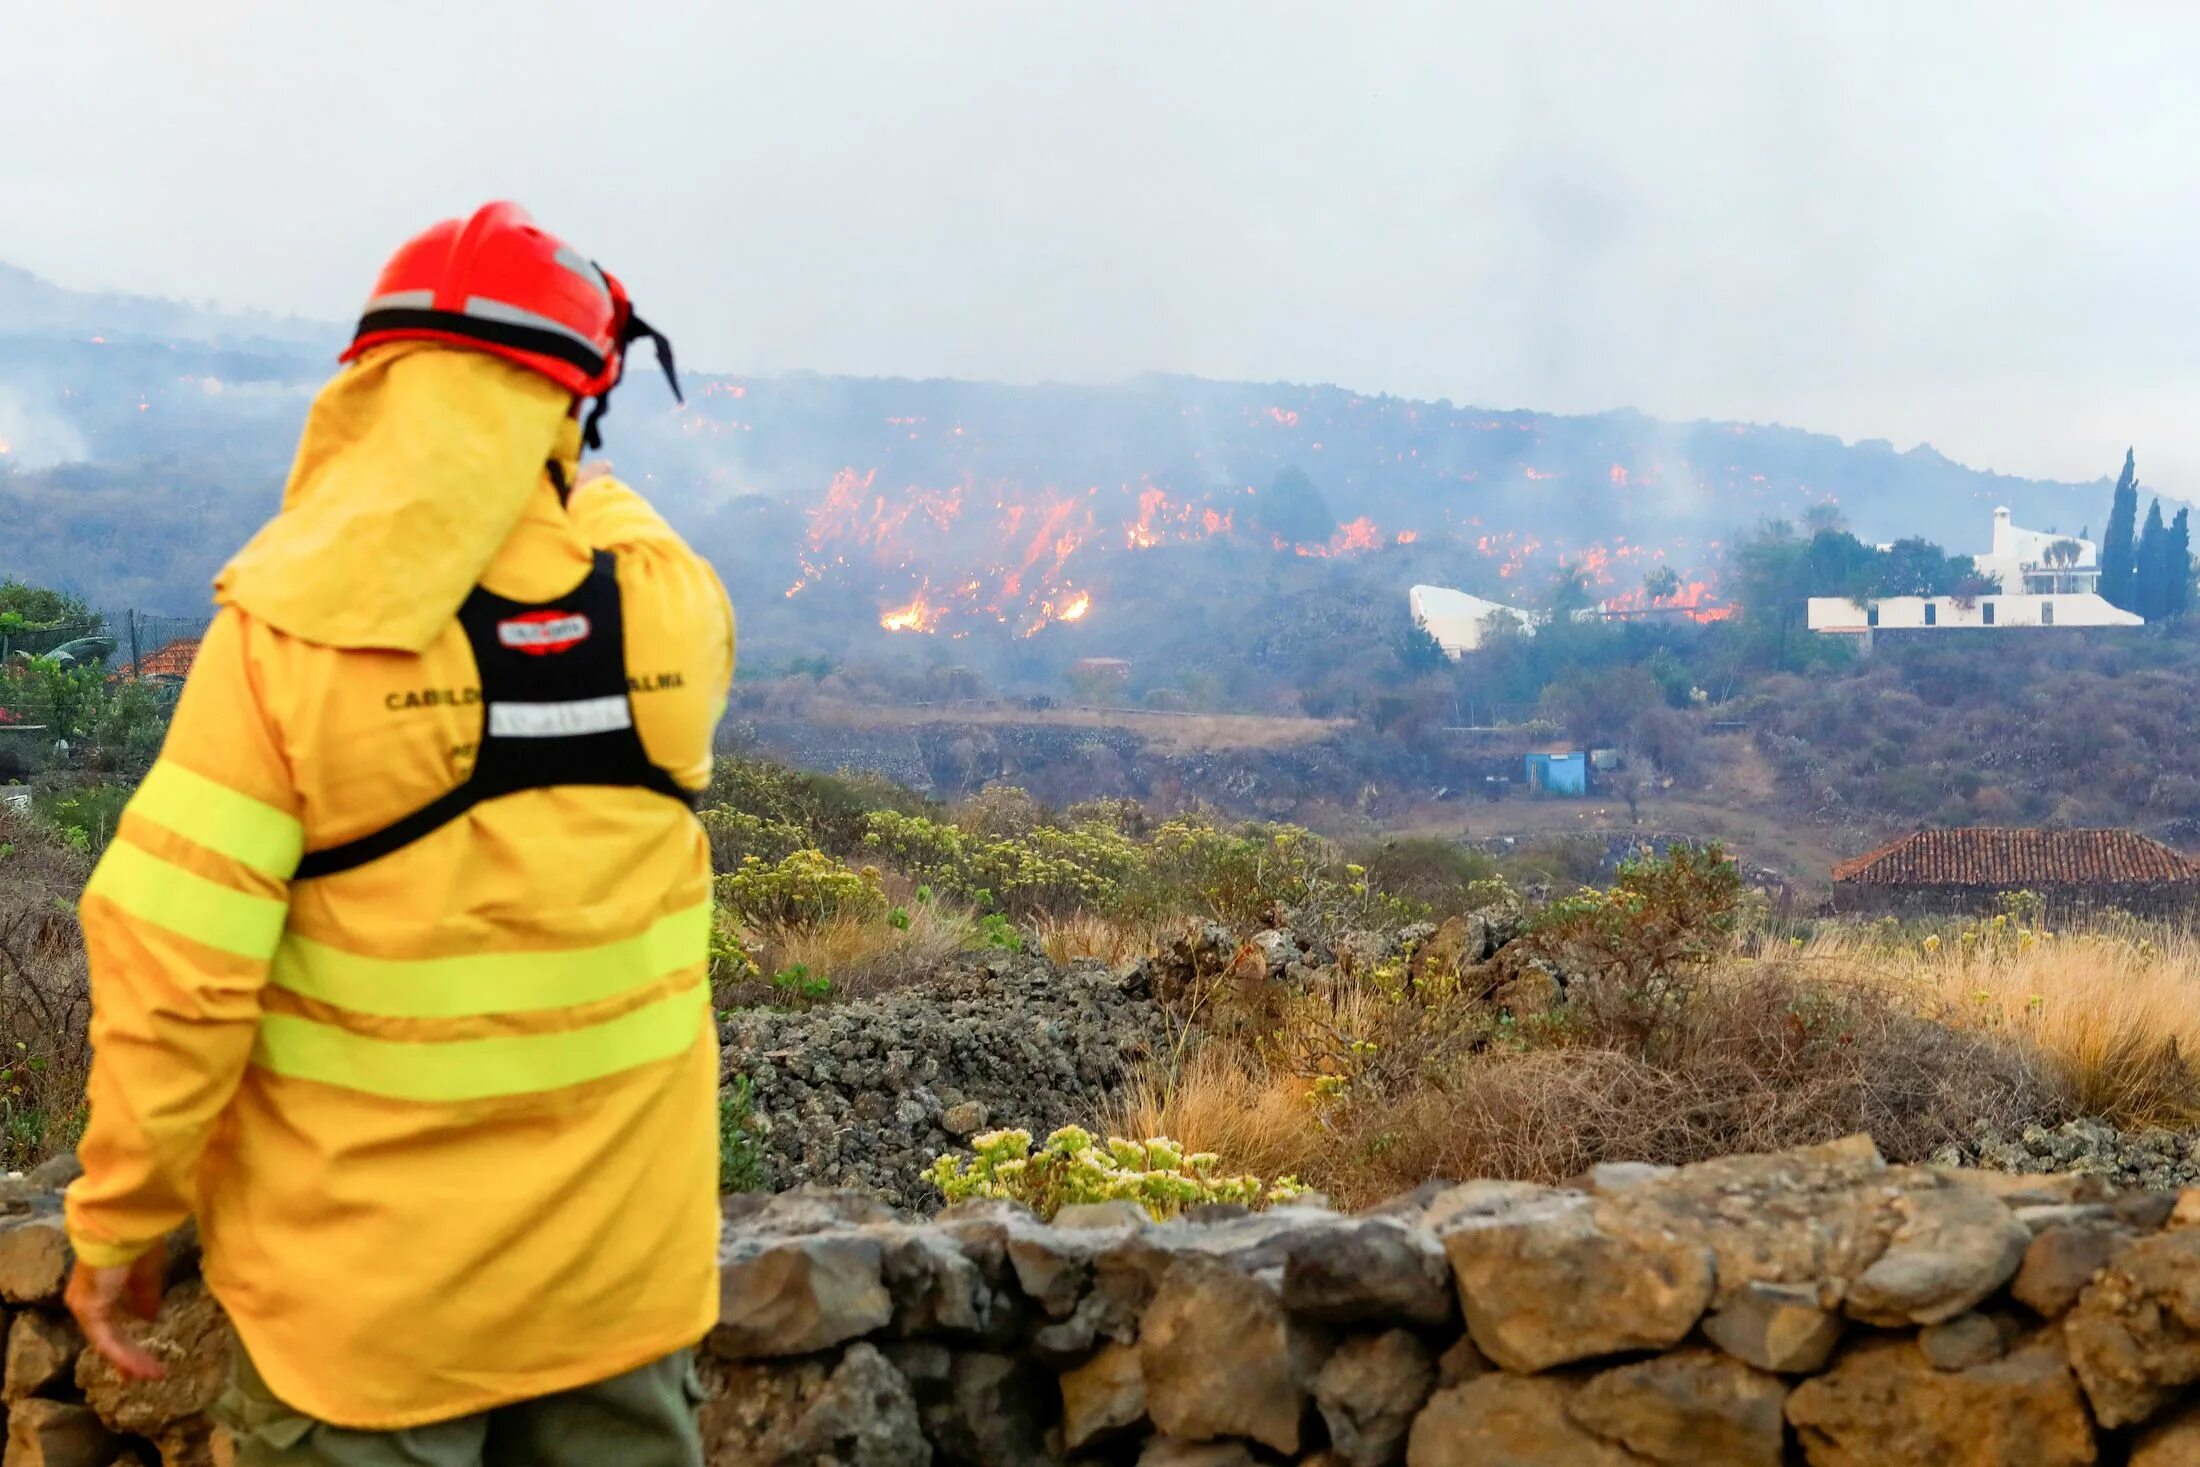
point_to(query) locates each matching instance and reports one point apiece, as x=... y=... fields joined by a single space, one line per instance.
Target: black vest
x=555 y=710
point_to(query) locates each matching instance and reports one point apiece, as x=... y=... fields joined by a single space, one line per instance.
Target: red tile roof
x=173 y=660
x=2018 y=858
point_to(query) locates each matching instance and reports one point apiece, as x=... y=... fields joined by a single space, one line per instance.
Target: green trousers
x=644 y=1418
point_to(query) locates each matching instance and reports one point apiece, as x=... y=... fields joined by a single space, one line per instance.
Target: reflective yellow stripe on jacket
x=233 y=831
x=535 y=993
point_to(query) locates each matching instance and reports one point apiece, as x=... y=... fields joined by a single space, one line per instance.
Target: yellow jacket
x=448 y=1120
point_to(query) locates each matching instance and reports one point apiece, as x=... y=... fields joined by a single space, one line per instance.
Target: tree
x=1599 y=706
x=1661 y=583
x=2151 y=567
x=1293 y=510
x=1418 y=651
x=1569 y=593
x=1917 y=567
x=1824 y=515
x=2179 y=565
x=39 y=607
x=2119 y=546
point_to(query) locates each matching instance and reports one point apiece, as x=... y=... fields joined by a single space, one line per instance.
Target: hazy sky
x=1971 y=223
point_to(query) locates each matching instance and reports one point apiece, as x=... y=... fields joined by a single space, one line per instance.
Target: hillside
x=140 y=441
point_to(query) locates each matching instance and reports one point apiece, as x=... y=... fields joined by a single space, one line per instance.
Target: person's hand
x=595 y=468
x=96 y=1296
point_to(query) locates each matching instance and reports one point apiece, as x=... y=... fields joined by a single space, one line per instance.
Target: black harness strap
x=555 y=712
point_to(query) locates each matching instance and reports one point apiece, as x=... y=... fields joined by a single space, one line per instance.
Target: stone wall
x=1817 y=1306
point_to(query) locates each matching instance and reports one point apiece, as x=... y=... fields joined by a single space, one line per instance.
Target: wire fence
x=58 y=678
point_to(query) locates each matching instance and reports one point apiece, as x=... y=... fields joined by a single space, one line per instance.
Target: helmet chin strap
x=634 y=329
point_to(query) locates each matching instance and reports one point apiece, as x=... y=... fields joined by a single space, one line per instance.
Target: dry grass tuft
x=45 y=995
x=1216 y=1099
x=1087 y=935
x=862 y=954
x=2114 y=1013
x=1760 y=1056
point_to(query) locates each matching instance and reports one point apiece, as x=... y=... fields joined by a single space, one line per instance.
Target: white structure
x=1836 y=615
x=1456 y=620
x=2046 y=580
x=2037 y=563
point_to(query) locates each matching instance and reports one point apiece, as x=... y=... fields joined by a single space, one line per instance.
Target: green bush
x=740 y=1139
x=1072 y=1168
x=770 y=810
x=84 y=818
x=1236 y=876
x=1047 y=868
x=802 y=889
x=797 y=981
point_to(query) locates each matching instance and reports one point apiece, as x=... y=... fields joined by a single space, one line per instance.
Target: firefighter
x=398 y=955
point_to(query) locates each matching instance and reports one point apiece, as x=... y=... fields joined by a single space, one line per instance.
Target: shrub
x=1237 y=876
x=1438 y=875
x=45 y=1002
x=1639 y=940
x=85 y=818
x=737 y=836
x=740 y=1139
x=797 y=981
x=803 y=889
x=1047 y=868
x=1071 y=1168
x=783 y=809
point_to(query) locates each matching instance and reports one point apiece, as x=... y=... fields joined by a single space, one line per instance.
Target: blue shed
x=1558 y=774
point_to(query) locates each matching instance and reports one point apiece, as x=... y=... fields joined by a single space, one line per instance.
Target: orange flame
x=919 y=615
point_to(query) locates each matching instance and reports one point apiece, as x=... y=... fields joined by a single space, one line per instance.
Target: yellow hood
x=416 y=463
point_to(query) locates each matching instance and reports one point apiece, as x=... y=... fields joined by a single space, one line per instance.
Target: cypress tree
x=2152 y=566
x=2179 y=566
x=2119 y=548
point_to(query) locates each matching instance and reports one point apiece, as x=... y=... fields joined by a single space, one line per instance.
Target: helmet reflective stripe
x=484 y=309
x=580 y=265
x=401 y=300
x=560 y=720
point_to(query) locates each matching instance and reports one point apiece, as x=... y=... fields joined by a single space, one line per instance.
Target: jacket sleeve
x=181 y=918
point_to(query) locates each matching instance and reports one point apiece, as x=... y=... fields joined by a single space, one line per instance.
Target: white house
x=2047 y=580
x=2037 y=562
x=1837 y=615
x=1456 y=620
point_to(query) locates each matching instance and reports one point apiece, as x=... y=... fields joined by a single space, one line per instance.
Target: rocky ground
x=2162 y=1160
x=864 y=1094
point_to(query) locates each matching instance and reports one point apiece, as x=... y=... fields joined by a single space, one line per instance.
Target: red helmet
x=498 y=284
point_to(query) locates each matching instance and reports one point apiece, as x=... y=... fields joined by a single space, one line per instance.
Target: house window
x=1871 y=616
x=1932 y=614
x=2047 y=612
x=1986 y=612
